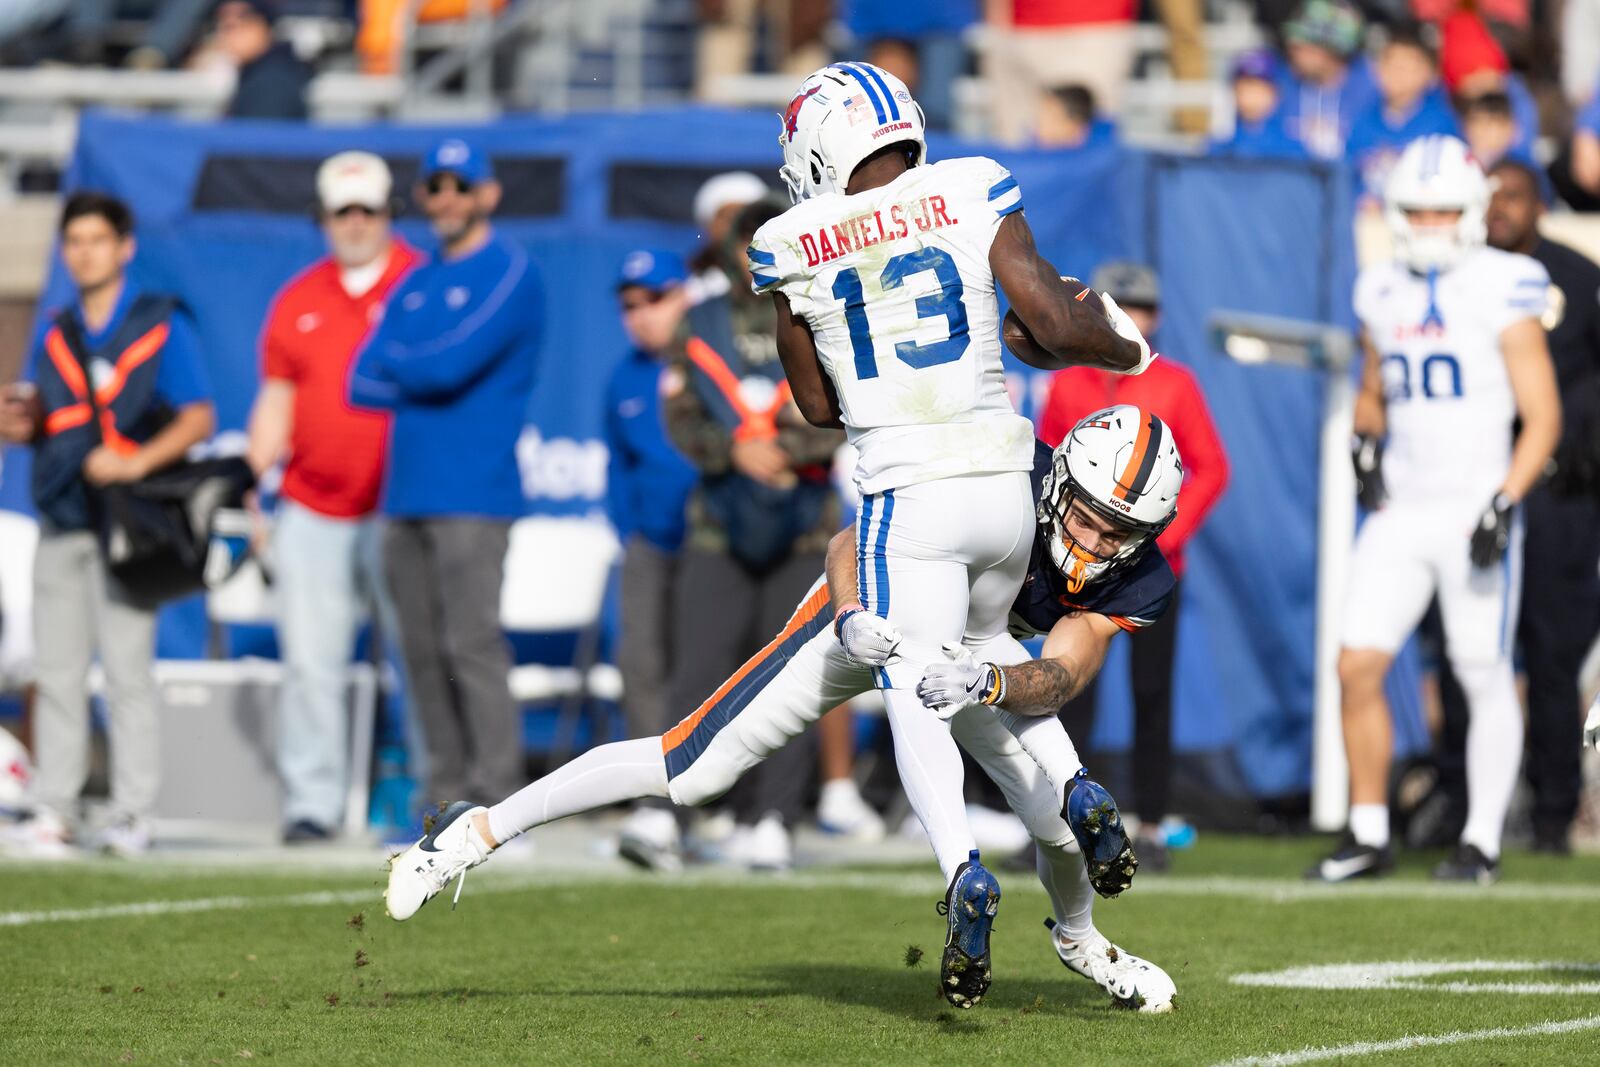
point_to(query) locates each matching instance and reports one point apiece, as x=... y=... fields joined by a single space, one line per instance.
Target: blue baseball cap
x=652 y=268
x=1257 y=63
x=455 y=156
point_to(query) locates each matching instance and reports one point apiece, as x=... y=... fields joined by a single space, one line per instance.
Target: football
x=1021 y=343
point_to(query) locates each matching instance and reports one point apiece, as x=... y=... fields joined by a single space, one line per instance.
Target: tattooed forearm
x=1039 y=687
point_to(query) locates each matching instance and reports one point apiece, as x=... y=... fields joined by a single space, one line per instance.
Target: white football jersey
x=896 y=287
x=1449 y=400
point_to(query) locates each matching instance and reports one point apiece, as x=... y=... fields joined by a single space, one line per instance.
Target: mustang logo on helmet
x=791 y=115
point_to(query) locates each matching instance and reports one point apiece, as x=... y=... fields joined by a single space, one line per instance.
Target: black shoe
x=1153 y=857
x=1551 y=842
x=306 y=832
x=1469 y=864
x=1352 y=860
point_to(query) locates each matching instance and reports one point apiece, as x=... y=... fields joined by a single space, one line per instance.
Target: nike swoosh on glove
x=1591 y=729
x=948 y=687
x=868 y=640
x=1126 y=329
x=1493 y=533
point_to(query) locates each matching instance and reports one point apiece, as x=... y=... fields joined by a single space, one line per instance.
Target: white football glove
x=1125 y=328
x=868 y=639
x=948 y=687
x=1591 y=729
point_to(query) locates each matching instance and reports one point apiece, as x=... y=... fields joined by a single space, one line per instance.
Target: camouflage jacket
x=744 y=324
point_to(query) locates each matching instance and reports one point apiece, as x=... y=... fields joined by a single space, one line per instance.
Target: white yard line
x=1454 y=1037
x=522 y=876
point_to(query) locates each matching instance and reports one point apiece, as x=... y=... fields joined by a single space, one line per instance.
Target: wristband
x=838 y=620
x=994 y=685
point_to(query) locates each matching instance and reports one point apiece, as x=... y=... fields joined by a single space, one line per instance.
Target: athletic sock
x=610 y=774
x=931 y=774
x=1494 y=752
x=1369 y=824
x=1045 y=739
x=1066 y=879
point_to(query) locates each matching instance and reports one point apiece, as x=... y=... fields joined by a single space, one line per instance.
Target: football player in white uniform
x=884 y=276
x=1104 y=496
x=1454 y=354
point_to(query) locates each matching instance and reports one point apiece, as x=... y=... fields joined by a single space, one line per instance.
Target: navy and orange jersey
x=1132 y=596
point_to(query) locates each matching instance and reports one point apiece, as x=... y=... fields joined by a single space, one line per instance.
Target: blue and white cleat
x=1094 y=820
x=451 y=847
x=970 y=903
x=1134 y=983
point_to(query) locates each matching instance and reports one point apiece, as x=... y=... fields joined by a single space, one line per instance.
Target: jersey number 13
x=946 y=302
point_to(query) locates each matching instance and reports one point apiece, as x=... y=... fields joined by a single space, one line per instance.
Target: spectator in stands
x=386 y=25
x=1412 y=105
x=1507 y=22
x=1490 y=128
x=759 y=523
x=1185 y=22
x=1067 y=119
x=788 y=34
x=927 y=37
x=170 y=31
x=1259 y=130
x=1327 y=82
x=1560 y=614
x=716 y=204
x=272 y=79
x=453 y=360
x=1576 y=172
x=1174 y=395
x=1580 y=59
x=1472 y=63
x=151 y=404
x=1034 y=45
x=326 y=560
x=647 y=490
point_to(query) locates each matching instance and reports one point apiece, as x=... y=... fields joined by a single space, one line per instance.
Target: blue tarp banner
x=224 y=219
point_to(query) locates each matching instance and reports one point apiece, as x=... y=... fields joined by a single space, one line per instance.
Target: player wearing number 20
x=884 y=278
x=1454 y=353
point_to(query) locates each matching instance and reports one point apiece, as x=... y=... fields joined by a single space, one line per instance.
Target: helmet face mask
x=1094 y=521
x=1436 y=178
x=842 y=114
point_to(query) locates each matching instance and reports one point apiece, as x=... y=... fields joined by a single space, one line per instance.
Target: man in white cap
x=716 y=205
x=325 y=545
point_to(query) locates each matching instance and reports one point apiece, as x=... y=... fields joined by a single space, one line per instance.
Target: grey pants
x=78 y=608
x=444 y=578
x=726 y=614
x=644 y=648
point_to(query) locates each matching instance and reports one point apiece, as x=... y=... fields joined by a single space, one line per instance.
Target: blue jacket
x=1267 y=139
x=453 y=360
x=145 y=365
x=1378 y=138
x=647 y=481
x=1321 y=118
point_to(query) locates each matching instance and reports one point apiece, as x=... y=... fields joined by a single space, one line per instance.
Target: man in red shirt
x=325 y=545
x=1170 y=391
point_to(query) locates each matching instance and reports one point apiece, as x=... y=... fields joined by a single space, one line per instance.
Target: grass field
x=158 y=964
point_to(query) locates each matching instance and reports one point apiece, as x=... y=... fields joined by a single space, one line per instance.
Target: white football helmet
x=1122 y=464
x=1436 y=172
x=842 y=114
